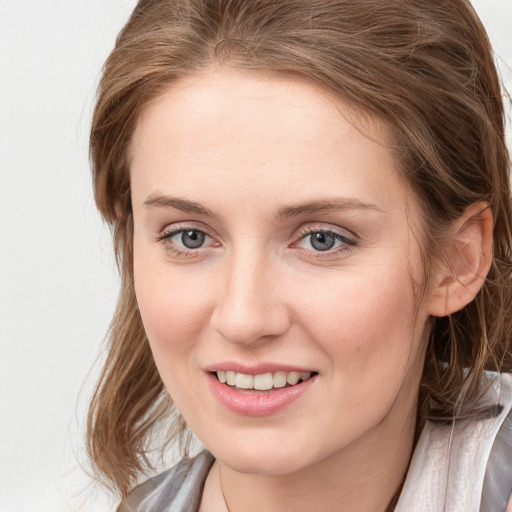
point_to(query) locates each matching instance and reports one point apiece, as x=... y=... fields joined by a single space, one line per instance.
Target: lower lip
x=257 y=403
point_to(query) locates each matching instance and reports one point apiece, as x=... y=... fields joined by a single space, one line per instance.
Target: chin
x=259 y=462
x=268 y=453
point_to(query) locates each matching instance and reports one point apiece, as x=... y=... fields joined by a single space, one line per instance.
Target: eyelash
x=347 y=243
x=166 y=237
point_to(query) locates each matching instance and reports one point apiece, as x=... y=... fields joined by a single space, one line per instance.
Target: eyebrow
x=325 y=205
x=178 y=203
x=311 y=207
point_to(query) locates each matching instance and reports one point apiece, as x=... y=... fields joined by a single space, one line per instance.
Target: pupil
x=192 y=239
x=322 y=241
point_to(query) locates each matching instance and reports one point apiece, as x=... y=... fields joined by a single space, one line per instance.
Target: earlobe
x=468 y=257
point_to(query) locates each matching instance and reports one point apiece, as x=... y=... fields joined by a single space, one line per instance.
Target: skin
x=245 y=146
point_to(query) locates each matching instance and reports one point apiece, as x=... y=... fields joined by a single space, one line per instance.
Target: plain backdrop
x=58 y=283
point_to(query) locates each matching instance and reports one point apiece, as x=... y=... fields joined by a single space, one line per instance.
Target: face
x=274 y=248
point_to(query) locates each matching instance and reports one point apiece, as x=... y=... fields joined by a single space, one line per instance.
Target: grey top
x=178 y=489
x=463 y=467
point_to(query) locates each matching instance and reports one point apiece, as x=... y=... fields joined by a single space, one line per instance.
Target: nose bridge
x=249 y=307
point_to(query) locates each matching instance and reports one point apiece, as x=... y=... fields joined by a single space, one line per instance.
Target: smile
x=263 y=381
x=259 y=392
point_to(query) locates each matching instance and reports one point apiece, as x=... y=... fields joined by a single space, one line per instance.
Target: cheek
x=363 y=320
x=367 y=328
x=174 y=314
x=174 y=310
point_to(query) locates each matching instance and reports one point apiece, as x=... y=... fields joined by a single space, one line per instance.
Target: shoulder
x=497 y=488
x=465 y=466
x=178 y=489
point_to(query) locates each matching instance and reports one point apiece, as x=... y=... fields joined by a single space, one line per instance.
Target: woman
x=312 y=215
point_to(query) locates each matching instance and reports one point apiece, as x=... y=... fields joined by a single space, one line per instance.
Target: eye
x=325 y=241
x=191 y=238
x=186 y=240
x=322 y=240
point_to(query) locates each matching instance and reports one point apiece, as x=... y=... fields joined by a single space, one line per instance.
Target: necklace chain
x=390 y=508
x=222 y=491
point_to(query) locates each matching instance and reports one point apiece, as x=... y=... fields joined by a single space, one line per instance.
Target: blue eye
x=192 y=238
x=185 y=239
x=322 y=240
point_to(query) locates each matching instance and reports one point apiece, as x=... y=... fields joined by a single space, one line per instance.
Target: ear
x=468 y=257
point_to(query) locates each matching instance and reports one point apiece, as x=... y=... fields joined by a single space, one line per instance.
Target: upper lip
x=255 y=369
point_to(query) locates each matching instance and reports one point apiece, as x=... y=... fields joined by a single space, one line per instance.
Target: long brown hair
x=425 y=68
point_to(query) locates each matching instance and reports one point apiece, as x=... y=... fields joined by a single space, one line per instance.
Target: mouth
x=263 y=382
x=259 y=391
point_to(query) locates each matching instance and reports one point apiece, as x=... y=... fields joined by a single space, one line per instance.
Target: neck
x=367 y=476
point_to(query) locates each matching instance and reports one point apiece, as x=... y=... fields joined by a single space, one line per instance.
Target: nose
x=250 y=307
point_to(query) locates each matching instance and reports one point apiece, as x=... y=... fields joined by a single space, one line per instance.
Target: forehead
x=263 y=134
x=242 y=100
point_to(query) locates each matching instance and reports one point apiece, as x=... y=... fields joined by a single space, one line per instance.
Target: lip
x=254 y=404
x=254 y=369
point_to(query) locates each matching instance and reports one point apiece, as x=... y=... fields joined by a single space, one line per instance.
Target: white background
x=57 y=276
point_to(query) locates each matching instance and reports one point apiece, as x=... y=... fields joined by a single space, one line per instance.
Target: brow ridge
x=310 y=207
x=178 y=203
x=325 y=205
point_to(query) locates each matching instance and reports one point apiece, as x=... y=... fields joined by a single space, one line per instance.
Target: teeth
x=292 y=378
x=230 y=378
x=262 y=382
x=244 y=381
x=280 y=379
